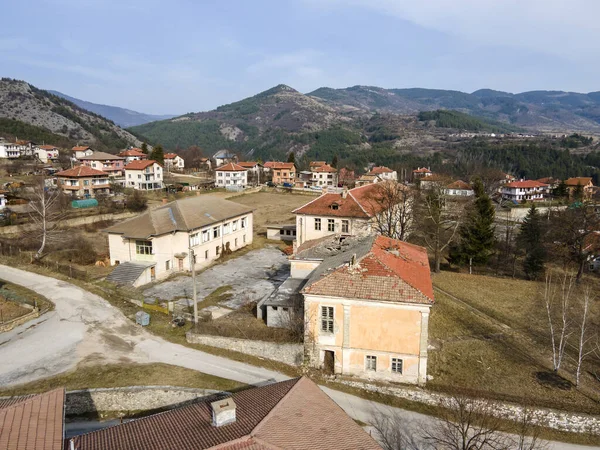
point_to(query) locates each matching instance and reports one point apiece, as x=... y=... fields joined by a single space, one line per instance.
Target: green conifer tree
x=144 y=148
x=291 y=157
x=531 y=240
x=158 y=154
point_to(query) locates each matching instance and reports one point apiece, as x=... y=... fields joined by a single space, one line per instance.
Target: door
x=152 y=273
x=180 y=263
x=329 y=362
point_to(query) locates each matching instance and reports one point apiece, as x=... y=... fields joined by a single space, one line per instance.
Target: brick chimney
x=223 y=412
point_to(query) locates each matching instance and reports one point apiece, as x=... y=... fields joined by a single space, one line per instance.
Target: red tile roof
x=289 y=415
x=80 y=148
x=48 y=147
x=231 y=167
x=548 y=180
x=80 y=171
x=133 y=152
x=324 y=168
x=248 y=164
x=171 y=155
x=583 y=181
x=391 y=270
x=317 y=163
x=141 y=164
x=525 y=184
x=379 y=170
x=279 y=165
x=33 y=422
x=459 y=184
x=422 y=170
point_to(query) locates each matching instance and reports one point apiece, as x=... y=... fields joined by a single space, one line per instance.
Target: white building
x=79 y=151
x=384 y=173
x=459 y=189
x=145 y=175
x=158 y=242
x=231 y=176
x=14 y=150
x=527 y=190
x=46 y=153
x=324 y=175
x=174 y=162
x=133 y=154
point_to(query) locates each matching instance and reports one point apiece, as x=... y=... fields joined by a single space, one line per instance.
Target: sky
x=178 y=56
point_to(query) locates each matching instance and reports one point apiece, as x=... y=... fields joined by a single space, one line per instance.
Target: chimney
x=223 y=412
x=165 y=201
x=345 y=192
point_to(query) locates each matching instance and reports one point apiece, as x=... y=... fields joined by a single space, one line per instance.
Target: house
x=83 y=182
x=314 y=164
x=113 y=165
x=525 y=190
x=385 y=173
x=79 y=151
x=366 y=307
x=223 y=157
x=46 y=153
x=432 y=181
x=158 y=242
x=282 y=232
x=206 y=162
x=133 y=154
x=174 y=162
x=324 y=175
x=459 y=188
x=33 y=421
x=583 y=183
x=293 y=414
x=367 y=179
x=550 y=181
x=254 y=170
x=231 y=176
x=351 y=212
x=421 y=172
x=144 y=175
x=14 y=150
x=283 y=172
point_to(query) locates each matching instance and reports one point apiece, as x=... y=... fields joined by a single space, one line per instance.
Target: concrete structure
x=83 y=182
x=352 y=212
x=133 y=154
x=324 y=175
x=46 y=153
x=231 y=176
x=223 y=157
x=366 y=307
x=367 y=179
x=163 y=237
x=384 y=173
x=459 y=188
x=113 y=165
x=527 y=190
x=174 y=162
x=145 y=175
x=80 y=151
x=14 y=150
x=283 y=172
x=279 y=232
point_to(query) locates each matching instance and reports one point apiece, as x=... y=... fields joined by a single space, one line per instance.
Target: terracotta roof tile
x=133 y=152
x=48 y=147
x=525 y=184
x=279 y=165
x=80 y=148
x=459 y=184
x=248 y=164
x=422 y=170
x=141 y=164
x=80 y=171
x=325 y=168
x=171 y=155
x=101 y=156
x=583 y=181
x=379 y=170
x=231 y=167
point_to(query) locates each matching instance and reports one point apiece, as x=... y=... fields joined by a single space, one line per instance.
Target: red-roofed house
x=174 y=162
x=421 y=172
x=283 y=172
x=385 y=173
x=79 y=151
x=133 y=154
x=113 y=165
x=352 y=212
x=324 y=175
x=459 y=188
x=584 y=183
x=526 y=190
x=145 y=175
x=231 y=176
x=46 y=153
x=366 y=308
x=83 y=181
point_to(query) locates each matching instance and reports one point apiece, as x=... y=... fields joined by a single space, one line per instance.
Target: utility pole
x=194 y=295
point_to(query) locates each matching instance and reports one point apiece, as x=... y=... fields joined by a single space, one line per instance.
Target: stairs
x=127 y=273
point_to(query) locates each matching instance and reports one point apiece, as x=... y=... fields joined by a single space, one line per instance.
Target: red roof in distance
x=141 y=164
x=171 y=155
x=230 y=167
x=526 y=184
x=325 y=168
x=380 y=169
x=80 y=171
x=80 y=148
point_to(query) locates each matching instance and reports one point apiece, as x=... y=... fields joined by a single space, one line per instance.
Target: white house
x=384 y=173
x=527 y=190
x=158 y=242
x=174 y=162
x=79 y=151
x=14 y=150
x=231 y=176
x=133 y=154
x=145 y=175
x=46 y=153
x=324 y=175
x=459 y=189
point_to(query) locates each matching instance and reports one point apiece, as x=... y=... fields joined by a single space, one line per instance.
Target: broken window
x=327 y=319
x=397 y=365
x=371 y=363
x=244 y=222
x=216 y=232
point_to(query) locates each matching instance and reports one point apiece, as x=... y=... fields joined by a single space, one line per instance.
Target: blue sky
x=179 y=56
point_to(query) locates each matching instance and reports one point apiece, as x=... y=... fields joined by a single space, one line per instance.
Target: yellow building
x=366 y=307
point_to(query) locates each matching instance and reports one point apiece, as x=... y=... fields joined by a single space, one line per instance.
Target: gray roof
x=100 y=156
x=181 y=215
x=287 y=294
x=328 y=246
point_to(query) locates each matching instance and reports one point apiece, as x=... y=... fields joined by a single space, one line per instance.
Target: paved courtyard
x=251 y=277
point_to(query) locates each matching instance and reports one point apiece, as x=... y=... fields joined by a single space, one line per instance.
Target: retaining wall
x=7 y=326
x=76 y=221
x=291 y=354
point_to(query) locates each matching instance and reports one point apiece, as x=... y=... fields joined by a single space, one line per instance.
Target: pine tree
x=578 y=192
x=531 y=240
x=334 y=161
x=561 y=190
x=144 y=148
x=477 y=239
x=158 y=154
x=291 y=158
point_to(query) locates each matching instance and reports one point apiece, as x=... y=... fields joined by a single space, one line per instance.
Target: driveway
x=86 y=328
x=252 y=277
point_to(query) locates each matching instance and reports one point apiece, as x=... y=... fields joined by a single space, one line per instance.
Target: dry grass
x=11 y=310
x=125 y=374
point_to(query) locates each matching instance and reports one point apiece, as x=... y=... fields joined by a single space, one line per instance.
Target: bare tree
x=526 y=435
x=466 y=424
x=560 y=327
x=47 y=208
x=437 y=223
x=395 y=202
x=583 y=346
x=394 y=432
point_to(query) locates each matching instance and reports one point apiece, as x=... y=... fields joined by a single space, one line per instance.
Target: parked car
x=316 y=188
x=270 y=184
x=288 y=185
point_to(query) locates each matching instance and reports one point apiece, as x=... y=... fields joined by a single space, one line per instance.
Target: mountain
x=121 y=116
x=536 y=110
x=39 y=113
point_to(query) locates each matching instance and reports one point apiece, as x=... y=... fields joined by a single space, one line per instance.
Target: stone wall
x=134 y=398
x=558 y=420
x=7 y=326
x=291 y=354
x=68 y=223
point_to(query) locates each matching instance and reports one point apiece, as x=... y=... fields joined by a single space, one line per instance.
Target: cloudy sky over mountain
x=182 y=55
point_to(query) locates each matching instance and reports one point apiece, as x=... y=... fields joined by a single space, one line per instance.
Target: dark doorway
x=329 y=362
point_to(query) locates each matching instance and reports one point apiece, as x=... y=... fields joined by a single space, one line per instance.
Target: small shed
x=282 y=232
x=283 y=306
x=85 y=203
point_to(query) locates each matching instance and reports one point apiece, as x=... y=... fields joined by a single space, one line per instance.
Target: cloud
x=91 y=72
x=303 y=63
x=561 y=27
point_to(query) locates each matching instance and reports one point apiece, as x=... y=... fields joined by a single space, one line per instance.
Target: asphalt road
x=86 y=328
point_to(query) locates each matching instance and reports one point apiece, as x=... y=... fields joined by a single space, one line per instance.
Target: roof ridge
x=270 y=413
x=306 y=204
x=357 y=202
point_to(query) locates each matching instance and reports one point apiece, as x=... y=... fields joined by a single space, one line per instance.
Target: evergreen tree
x=578 y=192
x=292 y=158
x=144 y=148
x=531 y=240
x=334 y=161
x=561 y=190
x=158 y=154
x=477 y=239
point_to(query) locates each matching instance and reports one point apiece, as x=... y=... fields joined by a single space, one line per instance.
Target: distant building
x=367 y=179
x=46 y=153
x=421 y=172
x=223 y=157
x=83 y=182
x=346 y=177
x=144 y=175
x=385 y=173
x=133 y=154
x=79 y=151
x=283 y=172
x=459 y=188
x=231 y=176
x=113 y=165
x=174 y=162
x=324 y=175
x=585 y=183
x=281 y=232
x=527 y=190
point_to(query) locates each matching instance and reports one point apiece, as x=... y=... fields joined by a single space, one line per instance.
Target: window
x=335 y=206
x=206 y=254
x=397 y=365
x=216 y=232
x=274 y=308
x=234 y=225
x=206 y=236
x=317 y=224
x=139 y=176
x=218 y=250
x=244 y=222
x=167 y=265
x=195 y=239
x=129 y=176
x=345 y=226
x=226 y=228
x=330 y=225
x=220 y=174
x=327 y=319
x=143 y=247
x=86 y=182
x=371 y=363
